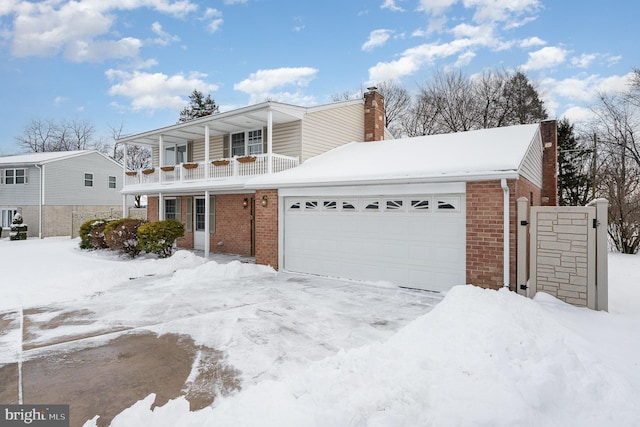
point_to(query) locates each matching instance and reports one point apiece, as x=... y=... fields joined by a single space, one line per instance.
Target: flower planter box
x=131 y=173
x=246 y=159
x=148 y=171
x=220 y=162
x=167 y=168
x=190 y=165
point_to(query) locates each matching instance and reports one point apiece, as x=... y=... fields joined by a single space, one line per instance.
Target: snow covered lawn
x=320 y=352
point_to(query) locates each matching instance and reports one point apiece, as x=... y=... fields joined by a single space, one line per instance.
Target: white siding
x=531 y=167
x=21 y=194
x=65 y=184
x=286 y=139
x=327 y=129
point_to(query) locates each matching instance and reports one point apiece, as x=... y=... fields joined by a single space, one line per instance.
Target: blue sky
x=134 y=62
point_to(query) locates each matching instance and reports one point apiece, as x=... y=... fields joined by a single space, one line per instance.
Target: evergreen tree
x=199 y=106
x=574 y=159
x=522 y=101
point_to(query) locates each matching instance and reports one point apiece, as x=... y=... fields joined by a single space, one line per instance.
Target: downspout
x=505 y=191
x=40 y=196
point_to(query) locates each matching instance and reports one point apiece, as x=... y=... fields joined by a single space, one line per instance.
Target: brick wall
x=374 y=120
x=267 y=228
x=152 y=208
x=233 y=225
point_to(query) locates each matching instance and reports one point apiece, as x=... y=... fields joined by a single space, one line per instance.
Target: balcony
x=214 y=171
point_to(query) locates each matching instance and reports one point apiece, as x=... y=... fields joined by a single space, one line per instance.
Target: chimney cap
x=372 y=89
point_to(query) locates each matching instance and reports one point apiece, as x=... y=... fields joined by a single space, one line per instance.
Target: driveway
x=201 y=331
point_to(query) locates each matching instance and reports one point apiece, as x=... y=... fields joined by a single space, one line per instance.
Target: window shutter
x=189 y=151
x=225 y=146
x=178 y=209
x=264 y=140
x=189 y=218
x=1 y=176
x=26 y=176
x=212 y=214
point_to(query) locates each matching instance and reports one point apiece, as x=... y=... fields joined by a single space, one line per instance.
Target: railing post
x=602 y=253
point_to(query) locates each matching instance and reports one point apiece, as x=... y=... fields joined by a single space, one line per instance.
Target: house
x=288 y=185
x=47 y=188
x=427 y=212
x=201 y=167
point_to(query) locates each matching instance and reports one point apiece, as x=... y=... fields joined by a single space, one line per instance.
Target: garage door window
x=395 y=205
x=372 y=205
x=348 y=206
x=330 y=205
x=420 y=205
x=295 y=206
x=449 y=204
x=311 y=205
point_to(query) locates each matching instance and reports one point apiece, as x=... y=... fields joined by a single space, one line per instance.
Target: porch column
x=124 y=206
x=206 y=151
x=124 y=180
x=207 y=234
x=269 y=141
x=160 y=207
x=160 y=157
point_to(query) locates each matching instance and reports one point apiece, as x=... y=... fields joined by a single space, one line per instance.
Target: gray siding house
x=47 y=188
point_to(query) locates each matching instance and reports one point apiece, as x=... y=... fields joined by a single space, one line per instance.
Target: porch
x=220 y=169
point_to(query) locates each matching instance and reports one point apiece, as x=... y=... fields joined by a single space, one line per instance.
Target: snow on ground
x=320 y=352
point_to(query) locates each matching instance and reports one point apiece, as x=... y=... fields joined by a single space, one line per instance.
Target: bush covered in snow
x=92 y=234
x=158 y=237
x=122 y=236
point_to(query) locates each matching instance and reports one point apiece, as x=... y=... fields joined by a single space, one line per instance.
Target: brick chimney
x=373 y=115
x=549 y=132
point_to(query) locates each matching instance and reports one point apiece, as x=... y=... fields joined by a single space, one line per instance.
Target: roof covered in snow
x=464 y=156
x=40 y=158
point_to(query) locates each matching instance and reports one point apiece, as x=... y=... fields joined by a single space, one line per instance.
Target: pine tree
x=522 y=101
x=199 y=106
x=574 y=159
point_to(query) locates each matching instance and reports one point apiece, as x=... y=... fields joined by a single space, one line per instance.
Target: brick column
x=374 y=120
x=549 y=132
x=266 y=219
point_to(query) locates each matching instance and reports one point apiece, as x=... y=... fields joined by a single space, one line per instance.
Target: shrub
x=158 y=237
x=86 y=237
x=122 y=236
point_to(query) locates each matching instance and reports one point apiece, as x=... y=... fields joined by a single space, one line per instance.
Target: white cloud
x=577 y=114
x=531 y=42
x=435 y=7
x=216 y=19
x=377 y=38
x=547 y=57
x=156 y=91
x=391 y=5
x=267 y=80
x=82 y=30
x=464 y=59
x=59 y=100
x=164 y=38
x=508 y=11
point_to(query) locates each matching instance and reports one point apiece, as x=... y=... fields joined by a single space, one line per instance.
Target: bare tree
x=138 y=157
x=396 y=104
x=39 y=136
x=489 y=90
x=421 y=117
x=454 y=98
x=67 y=135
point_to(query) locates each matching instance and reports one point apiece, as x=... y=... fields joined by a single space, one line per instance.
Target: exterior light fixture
x=265 y=201
x=245 y=203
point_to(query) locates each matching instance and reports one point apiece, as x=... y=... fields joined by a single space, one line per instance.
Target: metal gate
x=562 y=251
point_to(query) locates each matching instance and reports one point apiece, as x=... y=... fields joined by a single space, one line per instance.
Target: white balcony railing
x=218 y=170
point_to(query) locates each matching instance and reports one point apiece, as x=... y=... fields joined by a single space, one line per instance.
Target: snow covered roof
x=464 y=156
x=40 y=158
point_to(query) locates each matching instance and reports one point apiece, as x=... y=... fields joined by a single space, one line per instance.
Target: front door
x=199 y=232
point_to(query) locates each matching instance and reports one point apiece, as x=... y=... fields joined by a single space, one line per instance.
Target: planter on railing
x=190 y=165
x=131 y=173
x=148 y=171
x=246 y=159
x=222 y=162
x=167 y=168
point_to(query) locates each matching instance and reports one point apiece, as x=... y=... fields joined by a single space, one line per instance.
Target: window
x=311 y=205
x=88 y=180
x=14 y=176
x=172 y=209
x=294 y=206
x=246 y=143
x=7 y=217
x=330 y=205
x=112 y=182
x=449 y=203
x=348 y=206
x=175 y=154
x=373 y=205
x=420 y=205
x=394 y=205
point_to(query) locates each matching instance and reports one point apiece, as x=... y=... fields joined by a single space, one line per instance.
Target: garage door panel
x=419 y=247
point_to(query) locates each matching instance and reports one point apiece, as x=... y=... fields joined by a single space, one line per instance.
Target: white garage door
x=416 y=241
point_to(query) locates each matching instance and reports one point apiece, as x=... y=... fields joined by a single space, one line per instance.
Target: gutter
x=505 y=191
x=41 y=170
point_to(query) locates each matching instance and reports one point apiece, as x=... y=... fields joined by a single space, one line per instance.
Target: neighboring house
x=427 y=212
x=200 y=167
x=47 y=188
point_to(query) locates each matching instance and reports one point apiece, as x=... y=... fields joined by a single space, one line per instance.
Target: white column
x=206 y=151
x=160 y=157
x=160 y=207
x=207 y=235
x=124 y=206
x=269 y=141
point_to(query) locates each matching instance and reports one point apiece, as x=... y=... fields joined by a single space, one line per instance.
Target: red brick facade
x=374 y=120
x=267 y=228
x=549 y=133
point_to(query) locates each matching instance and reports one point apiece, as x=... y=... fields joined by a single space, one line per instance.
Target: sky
x=133 y=63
